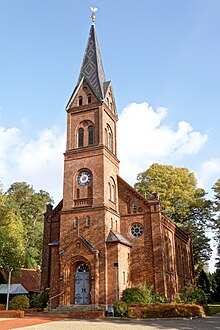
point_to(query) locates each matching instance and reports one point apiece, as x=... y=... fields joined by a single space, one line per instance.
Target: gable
x=84 y=90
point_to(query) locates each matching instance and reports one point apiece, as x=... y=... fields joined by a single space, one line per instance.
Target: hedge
x=11 y=313
x=166 y=311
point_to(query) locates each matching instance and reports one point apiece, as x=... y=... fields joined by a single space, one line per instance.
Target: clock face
x=84 y=178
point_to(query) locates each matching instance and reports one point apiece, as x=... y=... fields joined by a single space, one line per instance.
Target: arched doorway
x=82 y=284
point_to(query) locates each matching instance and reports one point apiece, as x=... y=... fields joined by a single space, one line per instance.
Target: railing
x=83 y=202
x=50 y=299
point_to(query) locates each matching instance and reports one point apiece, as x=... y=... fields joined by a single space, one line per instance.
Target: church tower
x=90 y=191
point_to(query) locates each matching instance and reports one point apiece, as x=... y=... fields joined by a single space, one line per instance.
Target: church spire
x=92 y=68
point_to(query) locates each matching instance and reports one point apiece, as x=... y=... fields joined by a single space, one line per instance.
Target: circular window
x=137 y=230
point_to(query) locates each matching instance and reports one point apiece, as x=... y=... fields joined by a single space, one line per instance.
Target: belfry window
x=80 y=101
x=109 y=191
x=106 y=137
x=113 y=193
x=90 y=135
x=80 y=137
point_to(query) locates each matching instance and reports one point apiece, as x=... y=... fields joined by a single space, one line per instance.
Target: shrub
x=191 y=295
x=167 y=310
x=141 y=295
x=40 y=300
x=2 y=307
x=120 y=308
x=19 y=302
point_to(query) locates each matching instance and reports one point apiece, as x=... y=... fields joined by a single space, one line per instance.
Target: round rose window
x=137 y=230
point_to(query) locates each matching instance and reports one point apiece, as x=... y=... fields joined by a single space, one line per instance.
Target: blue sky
x=162 y=58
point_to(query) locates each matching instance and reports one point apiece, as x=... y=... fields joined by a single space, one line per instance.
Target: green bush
x=191 y=295
x=40 y=300
x=120 y=308
x=141 y=295
x=167 y=310
x=19 y=302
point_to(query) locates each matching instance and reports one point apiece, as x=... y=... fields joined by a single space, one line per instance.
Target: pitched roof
x=92 y=68
x=29 y=278
x=114 y=236
x=89 y=246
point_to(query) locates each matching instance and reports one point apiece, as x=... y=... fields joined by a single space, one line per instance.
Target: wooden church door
x=82 y=284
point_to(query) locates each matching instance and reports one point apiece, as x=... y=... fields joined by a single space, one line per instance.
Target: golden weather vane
x=94 y=10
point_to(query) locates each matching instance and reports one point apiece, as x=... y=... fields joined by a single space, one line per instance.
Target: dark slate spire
x=92 y=68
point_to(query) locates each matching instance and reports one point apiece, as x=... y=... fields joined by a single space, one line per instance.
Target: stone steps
x=77 y=308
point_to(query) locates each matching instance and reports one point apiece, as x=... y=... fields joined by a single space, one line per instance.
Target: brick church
x=104 y=236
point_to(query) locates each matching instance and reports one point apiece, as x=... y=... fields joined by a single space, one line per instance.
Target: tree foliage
x=29 y=206
x=181 y=201
x=11 y=237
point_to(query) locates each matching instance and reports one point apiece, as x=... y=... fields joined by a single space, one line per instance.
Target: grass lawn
x=214 y=308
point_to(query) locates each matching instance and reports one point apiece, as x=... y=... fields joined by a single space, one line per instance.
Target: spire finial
x=93 y=9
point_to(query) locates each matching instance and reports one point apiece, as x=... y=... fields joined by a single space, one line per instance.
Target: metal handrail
x=57 y=295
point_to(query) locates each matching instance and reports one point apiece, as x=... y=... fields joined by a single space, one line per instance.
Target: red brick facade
x=103 y=233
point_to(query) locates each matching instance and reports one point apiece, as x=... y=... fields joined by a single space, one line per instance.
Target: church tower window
x=80 y=101
x=90 y=135
x=77 y=193
x=75 y=222
x=109 y=191
x=106 y=137
x=87 y=221
x=113 y=193
x=110 y=142
x=80 y=137
x=89 y=99
x=89 y=192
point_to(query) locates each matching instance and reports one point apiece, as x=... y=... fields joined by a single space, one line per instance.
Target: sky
x=162 y=58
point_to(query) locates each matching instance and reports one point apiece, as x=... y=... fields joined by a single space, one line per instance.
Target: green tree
x=30 y=205
x=216 y=189
x=181 y=201
x=12 y=249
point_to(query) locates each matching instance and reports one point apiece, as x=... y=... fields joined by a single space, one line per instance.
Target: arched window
x=75 y=222
x=109 y=138
x=106 y=137
x=80 y=137
x=109 y=191
x=110 y=142
x=80 y=101
x=89 y=99
x=90 y=135
x=87 y=221
x=83 y=268
x=113 y=193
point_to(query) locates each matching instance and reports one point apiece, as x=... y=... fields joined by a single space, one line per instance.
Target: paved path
x=209 y=323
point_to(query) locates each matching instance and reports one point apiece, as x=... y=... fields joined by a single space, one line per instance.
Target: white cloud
x=144 y=139
x=209 y=173
x=39 y=162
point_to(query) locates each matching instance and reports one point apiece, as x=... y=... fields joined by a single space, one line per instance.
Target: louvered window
x=90 y=135
x=80 y=137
